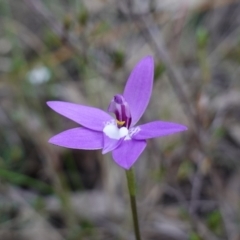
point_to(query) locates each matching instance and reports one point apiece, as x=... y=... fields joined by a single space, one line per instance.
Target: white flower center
x=112 y=131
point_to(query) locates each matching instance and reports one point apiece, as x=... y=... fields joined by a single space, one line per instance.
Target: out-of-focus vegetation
x=82 y=51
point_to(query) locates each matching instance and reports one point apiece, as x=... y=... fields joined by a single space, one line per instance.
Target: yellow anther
x=120 y=122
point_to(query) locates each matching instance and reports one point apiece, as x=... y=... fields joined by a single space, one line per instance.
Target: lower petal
x=128 y=152
x=110 y=144
x=157 y=129
x=79 y=138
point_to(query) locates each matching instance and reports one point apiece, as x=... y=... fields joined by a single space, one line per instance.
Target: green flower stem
x=132 y=193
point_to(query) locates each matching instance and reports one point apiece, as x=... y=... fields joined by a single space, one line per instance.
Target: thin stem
x=132 y=194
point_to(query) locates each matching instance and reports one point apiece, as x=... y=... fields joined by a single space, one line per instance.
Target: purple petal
x=138 y=89
x=128 y=152
x=89 y=117
x=158 y=129
x=110 y=144
x=79 y=138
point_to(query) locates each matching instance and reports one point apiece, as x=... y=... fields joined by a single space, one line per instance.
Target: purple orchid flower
x=101 y=131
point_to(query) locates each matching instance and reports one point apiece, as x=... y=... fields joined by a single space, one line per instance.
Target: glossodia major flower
x=120 y=135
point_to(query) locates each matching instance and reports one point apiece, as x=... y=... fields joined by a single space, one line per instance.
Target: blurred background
x=82 y=51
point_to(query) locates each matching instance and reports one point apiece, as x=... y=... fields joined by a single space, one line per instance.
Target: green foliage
x=158 y=174
x=39 y=204
x=194 y=236
x=84 y=229
x=159 y=70
x=21 y=179
x=118 y=58
x=85 y=224
x=196 y=19
x=185 y=170
x=8 y=212
x=83 y=17
x=219 y=133
x=202 y=37
x=73 y=172
x=214 y=221
x=67 y=22
x=184 y=214
x=18 y=63
x=11 y=154
x=101 y=28
x=51 y=39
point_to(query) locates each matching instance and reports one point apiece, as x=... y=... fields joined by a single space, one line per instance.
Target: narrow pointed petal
x=158 y=129
x=79 y=138
x=89 y=117
x=110 y=144
x=128 y=152
x=138 y=89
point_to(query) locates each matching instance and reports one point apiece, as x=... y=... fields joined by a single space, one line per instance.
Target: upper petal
x=89 y=117
x=79 y=138
x=128 y=152
x=138 y=89
x=157 y=129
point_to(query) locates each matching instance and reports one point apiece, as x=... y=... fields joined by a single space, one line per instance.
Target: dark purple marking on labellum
x=120 y=108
